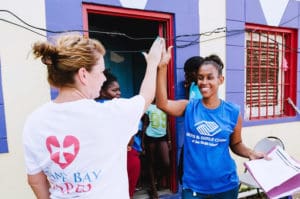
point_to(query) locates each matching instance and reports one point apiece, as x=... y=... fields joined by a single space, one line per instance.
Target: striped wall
x=282 y=14
x=24 y=85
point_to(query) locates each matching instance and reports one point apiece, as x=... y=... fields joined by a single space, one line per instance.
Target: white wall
x=24 y=88
x=211 y=18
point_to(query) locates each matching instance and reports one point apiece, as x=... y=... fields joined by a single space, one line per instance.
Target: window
x=270 y=72
x=3 y=138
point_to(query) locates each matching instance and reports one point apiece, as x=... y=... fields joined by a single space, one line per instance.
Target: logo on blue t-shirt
x=207 y=128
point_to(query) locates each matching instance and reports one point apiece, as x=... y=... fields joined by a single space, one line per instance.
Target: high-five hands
x=154 y=55
x=158 y=55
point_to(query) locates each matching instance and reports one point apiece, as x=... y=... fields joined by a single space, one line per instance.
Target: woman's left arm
x=237 y=146
x=39 y=185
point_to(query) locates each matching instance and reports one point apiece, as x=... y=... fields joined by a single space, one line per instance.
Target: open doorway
x=126 y=33
x=124 y=55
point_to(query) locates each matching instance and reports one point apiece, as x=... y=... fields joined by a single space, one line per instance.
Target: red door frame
x=165 y=21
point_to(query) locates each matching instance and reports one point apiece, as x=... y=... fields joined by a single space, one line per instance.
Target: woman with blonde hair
x=73 y=149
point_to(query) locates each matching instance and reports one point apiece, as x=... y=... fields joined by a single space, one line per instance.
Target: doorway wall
x=126 y=33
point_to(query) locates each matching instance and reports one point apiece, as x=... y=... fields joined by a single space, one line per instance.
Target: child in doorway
x=110 y=88
x=134 y=149
x=158 y=144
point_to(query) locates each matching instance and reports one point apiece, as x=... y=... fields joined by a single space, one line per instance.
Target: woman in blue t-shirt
x=212 y=126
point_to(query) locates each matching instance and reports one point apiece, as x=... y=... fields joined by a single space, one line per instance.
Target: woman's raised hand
x=154 y=55
x=166 y=56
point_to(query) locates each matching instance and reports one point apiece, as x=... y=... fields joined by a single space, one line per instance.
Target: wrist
x=162 y=67
x=251 y=154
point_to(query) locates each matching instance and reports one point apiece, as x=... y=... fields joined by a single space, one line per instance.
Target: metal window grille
x=267 y=82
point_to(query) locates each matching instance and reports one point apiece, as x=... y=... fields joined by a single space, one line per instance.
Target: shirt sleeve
x=130 y=112
x=32 y=166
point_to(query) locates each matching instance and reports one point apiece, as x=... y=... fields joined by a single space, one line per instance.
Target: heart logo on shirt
x=63 y=152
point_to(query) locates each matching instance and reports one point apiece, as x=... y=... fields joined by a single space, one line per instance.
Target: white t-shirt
x=82 y=146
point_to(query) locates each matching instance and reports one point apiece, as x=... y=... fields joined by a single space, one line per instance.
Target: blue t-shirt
x=194 y=92
x=137 y=143
x=137 y=140
x=101 y=100
x=208 y=166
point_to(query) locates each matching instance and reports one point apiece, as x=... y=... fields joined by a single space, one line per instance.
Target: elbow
x=161 y=105
x=165 y=109
x=161 y=102
x=31 y=181
x=36 y=180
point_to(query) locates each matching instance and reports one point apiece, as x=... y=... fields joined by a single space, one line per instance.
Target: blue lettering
x=77 y=177
x=57 y=176
x=96 y=174
x=87 y=177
